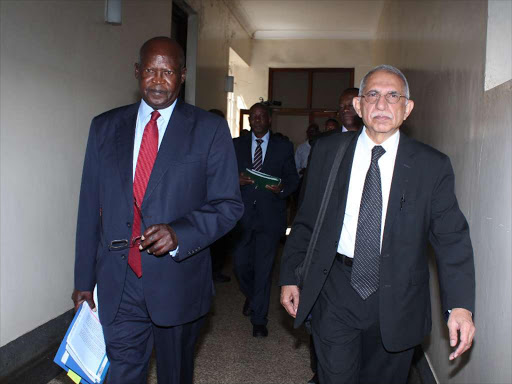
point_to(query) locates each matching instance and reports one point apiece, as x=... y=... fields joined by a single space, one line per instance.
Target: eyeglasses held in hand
x=119 y=245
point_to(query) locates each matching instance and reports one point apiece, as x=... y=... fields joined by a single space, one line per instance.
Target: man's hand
x=244 y=179
x=275 y=188
x=460 y=320
x=80 y=296
x=290 y=299
x=159 y=239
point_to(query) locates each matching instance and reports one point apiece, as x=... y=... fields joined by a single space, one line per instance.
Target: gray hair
x=385 y=68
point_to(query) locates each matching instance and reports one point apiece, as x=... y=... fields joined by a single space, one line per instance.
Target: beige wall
x=218 y=31
x=441 y=47
x=60 y=65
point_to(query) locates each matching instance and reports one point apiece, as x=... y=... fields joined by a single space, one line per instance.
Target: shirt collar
x=264 y=138
x=390 y=145
x=145 y=110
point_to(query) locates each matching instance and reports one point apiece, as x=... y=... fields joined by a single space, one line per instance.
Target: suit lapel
x=343 y=179
x=125 y=134
x=172 y=146
x=246 y=154
x=269 y=154
x=403 y=174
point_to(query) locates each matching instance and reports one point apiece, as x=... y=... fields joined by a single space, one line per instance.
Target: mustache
x=156 y=90
x=381 y=114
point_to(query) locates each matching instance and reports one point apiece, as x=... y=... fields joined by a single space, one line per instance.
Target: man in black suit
x=367 y=288
x=159 y=185
x=257 y=234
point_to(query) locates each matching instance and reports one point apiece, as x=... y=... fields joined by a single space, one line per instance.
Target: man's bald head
x=161 y=42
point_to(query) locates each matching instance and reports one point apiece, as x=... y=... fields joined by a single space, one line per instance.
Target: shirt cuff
x=175 y=252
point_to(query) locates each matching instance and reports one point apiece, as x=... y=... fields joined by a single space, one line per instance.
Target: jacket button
x=385 y=255
x=325 y=271
x=123 y=256
x=387 y=286
x=129 y=225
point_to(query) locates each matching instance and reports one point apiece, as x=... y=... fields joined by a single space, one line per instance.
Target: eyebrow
x=375 y=90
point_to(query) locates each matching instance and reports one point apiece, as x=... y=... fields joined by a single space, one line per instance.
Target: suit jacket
x=265 y=209
x=422 y=208
x=193 y=187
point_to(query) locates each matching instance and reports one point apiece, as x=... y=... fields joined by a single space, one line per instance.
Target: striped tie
x=365 y=270
x=258 y=156
x=147 y=156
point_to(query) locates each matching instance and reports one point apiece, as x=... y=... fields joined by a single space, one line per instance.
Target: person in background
x=350 y=121
x=219 y=249
x=302 y=152
x=257 y=234
x=331 y=125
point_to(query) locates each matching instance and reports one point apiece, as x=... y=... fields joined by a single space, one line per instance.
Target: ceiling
x=308 y=19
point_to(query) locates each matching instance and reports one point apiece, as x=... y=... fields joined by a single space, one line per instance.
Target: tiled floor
x=228 y=354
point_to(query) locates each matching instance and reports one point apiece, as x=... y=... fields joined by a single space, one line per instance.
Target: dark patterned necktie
x=145 y=161
x=365 y=271
x=258 y=156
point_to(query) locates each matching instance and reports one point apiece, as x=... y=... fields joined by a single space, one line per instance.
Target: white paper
x=86 y=343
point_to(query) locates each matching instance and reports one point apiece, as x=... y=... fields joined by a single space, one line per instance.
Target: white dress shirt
x=360 y=165
x=302 y=155
x=143 y=117
x=343 y=129
x=264 y=146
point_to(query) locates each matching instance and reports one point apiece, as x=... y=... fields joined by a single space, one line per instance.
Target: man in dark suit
x=257 y=234
x=166 y=170
x=367 y=288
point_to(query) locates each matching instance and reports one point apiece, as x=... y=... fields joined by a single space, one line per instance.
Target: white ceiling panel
x=308 y=19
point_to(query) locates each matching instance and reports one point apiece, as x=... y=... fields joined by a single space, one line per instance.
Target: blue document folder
x=70 y=362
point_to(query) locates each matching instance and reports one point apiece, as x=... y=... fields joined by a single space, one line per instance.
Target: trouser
x=254 y=255
x=346 y=333
x=130 y=339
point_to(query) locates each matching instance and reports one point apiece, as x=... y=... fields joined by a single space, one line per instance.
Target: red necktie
x=147 y=155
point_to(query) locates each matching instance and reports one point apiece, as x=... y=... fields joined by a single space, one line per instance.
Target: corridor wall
x=218 y=31
x=60 y=65
x=441 y=47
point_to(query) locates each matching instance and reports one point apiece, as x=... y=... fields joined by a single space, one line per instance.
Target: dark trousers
x=254 y=254
x=346 y=333
x=131 y=336
x=219 y=251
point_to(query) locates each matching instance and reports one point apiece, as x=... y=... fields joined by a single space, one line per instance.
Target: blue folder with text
x=83 y=348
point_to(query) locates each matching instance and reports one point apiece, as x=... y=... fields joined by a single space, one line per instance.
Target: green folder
x=262 y=179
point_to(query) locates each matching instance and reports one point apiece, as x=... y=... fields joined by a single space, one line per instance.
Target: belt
x=344 y=259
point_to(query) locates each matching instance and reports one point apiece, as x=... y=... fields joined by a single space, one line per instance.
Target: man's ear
x=356 y=102
x=137 y=70
x=408 y=108
x=183 y=75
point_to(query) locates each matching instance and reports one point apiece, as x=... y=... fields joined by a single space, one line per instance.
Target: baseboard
x=29 y=358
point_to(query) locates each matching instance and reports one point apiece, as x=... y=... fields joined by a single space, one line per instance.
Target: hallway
x=228 y=354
